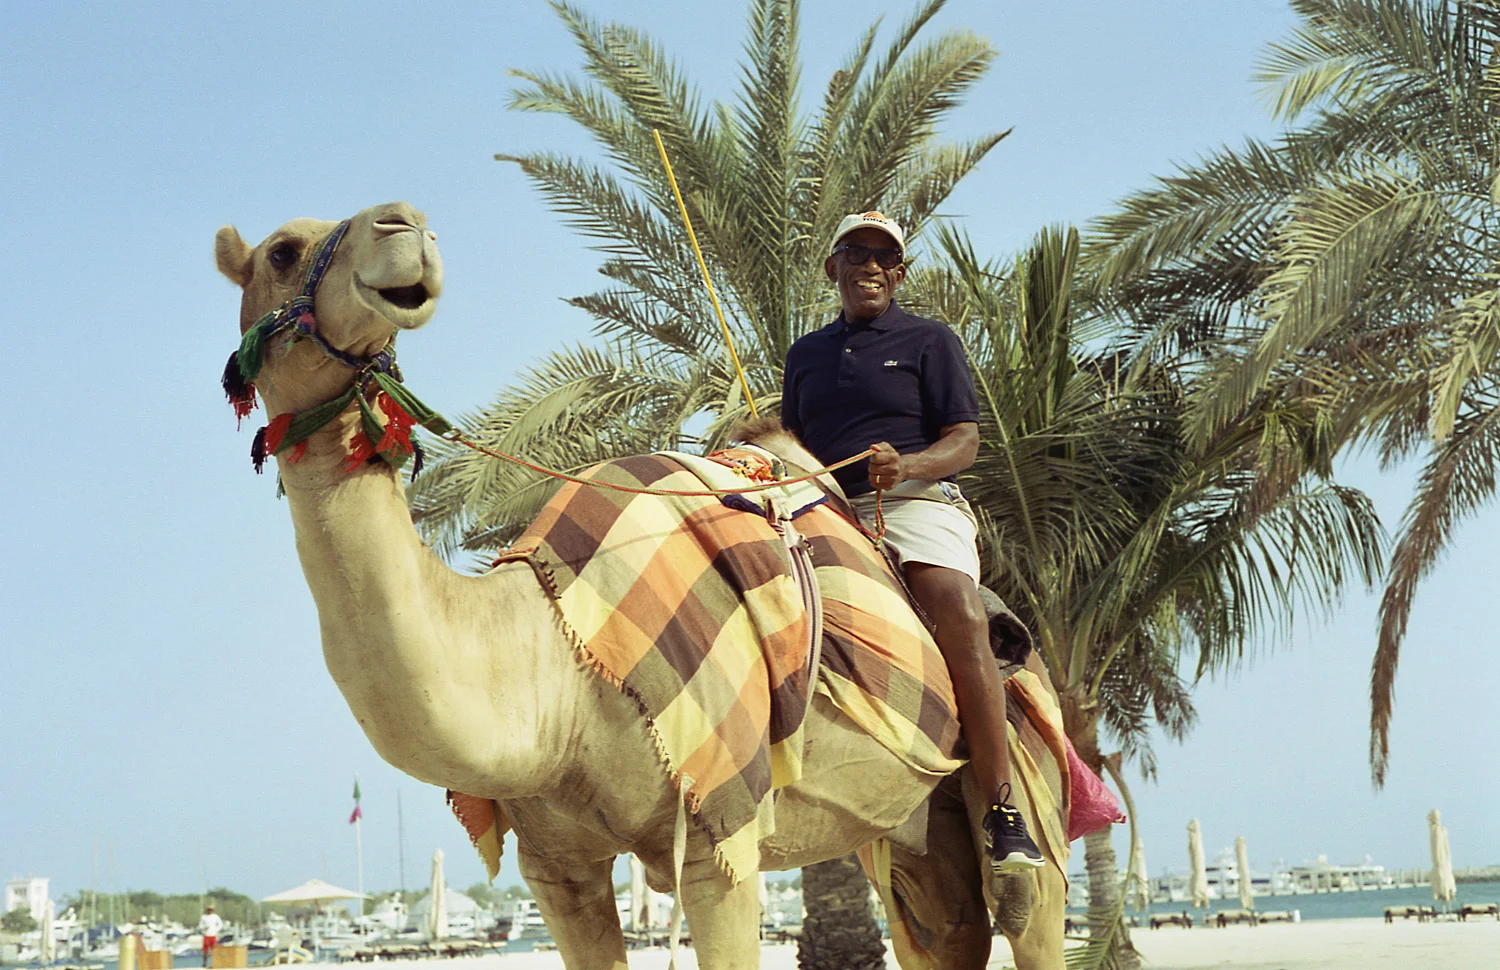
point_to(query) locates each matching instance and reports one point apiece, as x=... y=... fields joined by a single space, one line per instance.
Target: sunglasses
x=859 y=255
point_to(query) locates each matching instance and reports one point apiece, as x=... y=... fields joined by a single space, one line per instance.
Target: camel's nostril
x=393 y=224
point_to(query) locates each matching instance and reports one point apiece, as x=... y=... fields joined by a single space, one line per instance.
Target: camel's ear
x=233 y=255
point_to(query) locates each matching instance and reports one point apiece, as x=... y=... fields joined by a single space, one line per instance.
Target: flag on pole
x=356 y=815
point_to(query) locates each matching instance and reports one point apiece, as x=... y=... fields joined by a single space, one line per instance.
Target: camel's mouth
x=405 y=297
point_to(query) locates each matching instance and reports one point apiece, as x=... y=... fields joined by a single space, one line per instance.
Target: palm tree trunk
x=839 y=931
x=1081 y=720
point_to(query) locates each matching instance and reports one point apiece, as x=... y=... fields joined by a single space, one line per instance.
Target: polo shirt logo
x=893 y=363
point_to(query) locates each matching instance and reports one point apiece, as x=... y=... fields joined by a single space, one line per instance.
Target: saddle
x=1010 y=640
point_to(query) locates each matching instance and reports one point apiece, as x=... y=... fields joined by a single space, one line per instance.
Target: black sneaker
x=1007 y=844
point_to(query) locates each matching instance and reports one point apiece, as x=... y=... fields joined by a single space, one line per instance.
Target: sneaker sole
x=1016 y=862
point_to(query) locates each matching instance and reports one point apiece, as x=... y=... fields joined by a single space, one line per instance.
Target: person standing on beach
x=879 y=374
x=209 y=924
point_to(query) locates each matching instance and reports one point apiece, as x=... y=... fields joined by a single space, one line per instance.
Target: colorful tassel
x=258 y=450
x=360 y=451
x=397 y=437
x=276 y=431
x=298 y=452
x=418 y=457
x=240 y=392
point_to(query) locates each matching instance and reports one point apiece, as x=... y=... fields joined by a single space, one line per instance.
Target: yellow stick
x=682 y=207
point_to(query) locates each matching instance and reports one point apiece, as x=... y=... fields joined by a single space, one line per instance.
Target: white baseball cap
x=872 y=220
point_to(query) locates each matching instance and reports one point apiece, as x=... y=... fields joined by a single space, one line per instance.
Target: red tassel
x=243 y=405
x=397 y=437
x=276 y=430
x=360 y=451
x=298 y=451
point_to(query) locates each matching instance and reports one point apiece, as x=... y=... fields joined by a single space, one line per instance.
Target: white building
x=29 y=894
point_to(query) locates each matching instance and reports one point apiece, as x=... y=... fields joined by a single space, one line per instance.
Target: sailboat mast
x=401 y=844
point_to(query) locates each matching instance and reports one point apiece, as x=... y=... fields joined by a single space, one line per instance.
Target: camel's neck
x=428 y=660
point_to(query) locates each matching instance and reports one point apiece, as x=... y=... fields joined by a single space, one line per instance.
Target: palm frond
x=1459 y=478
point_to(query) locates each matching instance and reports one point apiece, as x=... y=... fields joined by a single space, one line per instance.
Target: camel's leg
x=577 y=901
x=1040 y=947
x=940 y=892
x=724 y=919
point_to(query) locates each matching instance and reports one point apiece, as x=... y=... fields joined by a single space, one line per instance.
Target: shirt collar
x=893 y=315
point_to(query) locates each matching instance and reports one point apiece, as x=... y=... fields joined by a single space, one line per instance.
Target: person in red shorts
x=209 y=925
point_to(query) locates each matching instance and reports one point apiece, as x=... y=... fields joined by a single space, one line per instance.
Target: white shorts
x=938 y=529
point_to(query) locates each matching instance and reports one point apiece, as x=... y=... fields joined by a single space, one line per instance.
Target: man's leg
x=951 y=599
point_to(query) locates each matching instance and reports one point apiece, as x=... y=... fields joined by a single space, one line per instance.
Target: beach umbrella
x=1443 y=887
x=1198 y=888
x=455 y=902
x=640 y=913
x=314 y=892
x=437 y=917
x=49 y=933
x=1242 y=862
x=1138 y=893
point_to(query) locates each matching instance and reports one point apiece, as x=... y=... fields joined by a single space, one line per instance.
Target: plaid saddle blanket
x=688 y=605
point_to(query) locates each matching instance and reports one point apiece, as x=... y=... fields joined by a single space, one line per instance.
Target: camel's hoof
x=1013 y=892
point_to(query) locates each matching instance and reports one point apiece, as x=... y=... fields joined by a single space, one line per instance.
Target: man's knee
x=950 y=599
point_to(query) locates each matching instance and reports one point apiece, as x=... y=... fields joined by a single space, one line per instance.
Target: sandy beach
x=1333 y=944
x=1343 y=944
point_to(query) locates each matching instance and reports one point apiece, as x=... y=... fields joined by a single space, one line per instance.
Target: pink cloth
x=1092 y=806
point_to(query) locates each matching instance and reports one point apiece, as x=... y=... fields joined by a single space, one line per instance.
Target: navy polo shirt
x=898 y=378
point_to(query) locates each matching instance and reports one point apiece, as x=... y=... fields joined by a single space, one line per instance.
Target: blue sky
x=165 y=704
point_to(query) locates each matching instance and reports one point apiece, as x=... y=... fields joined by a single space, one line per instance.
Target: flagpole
x=359 y=849
x=359 y=856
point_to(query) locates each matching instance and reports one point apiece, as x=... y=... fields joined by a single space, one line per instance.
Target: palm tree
x=1349 y=265
x=1121 y=546
x=839 y=932
x=765 y=184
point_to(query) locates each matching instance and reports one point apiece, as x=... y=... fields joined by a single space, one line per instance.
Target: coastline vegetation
x=143 y=905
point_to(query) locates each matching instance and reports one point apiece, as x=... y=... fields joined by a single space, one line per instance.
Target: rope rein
x=459 y=438
x=734 y=354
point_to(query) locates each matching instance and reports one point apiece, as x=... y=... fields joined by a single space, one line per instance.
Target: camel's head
x=385 y=275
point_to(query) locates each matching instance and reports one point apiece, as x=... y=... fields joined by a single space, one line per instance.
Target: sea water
x=1344 y=905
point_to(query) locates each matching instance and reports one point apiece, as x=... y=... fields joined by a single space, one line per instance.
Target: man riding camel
x=879 y=374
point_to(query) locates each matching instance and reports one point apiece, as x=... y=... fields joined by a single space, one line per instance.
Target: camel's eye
x=282 y=257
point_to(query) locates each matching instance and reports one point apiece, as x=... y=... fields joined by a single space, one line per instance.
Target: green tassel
x=253 y=345
x=375 y=430
x=369 y=420
x=421 y=413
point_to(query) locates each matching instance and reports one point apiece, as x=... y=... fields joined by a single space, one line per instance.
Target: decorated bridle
x=375 y=377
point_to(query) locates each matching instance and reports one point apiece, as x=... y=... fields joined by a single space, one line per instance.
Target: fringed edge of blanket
x=694 y=804
x=487 y=840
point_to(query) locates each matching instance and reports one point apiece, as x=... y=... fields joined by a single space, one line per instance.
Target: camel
x=468 y=683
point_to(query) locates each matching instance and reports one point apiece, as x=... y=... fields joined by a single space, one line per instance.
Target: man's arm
x=956 y=448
